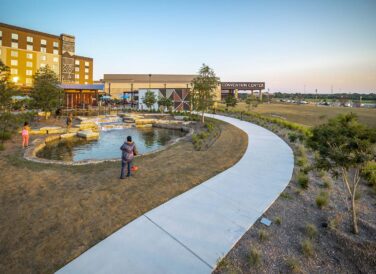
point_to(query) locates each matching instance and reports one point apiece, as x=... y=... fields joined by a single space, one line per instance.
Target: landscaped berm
x=51 y=213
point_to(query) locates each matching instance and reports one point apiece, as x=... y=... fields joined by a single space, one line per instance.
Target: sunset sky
x=287 y=44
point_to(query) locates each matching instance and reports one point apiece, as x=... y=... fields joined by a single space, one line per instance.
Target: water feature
x=108 y=145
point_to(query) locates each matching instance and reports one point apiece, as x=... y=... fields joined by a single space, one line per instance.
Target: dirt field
x=334 y=248
x=50 y=214
x=310 y=115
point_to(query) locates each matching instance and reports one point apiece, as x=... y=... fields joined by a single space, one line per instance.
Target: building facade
x=25 y=51
x=173 y=86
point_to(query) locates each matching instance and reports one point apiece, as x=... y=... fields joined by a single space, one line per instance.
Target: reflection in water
x=107 y=147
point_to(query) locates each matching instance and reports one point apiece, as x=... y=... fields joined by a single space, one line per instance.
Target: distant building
x=25 y=51
x=173 y=86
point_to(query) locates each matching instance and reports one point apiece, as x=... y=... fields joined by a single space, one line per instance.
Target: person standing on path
x=69 y=121
x=25 y=135
x=128 y=152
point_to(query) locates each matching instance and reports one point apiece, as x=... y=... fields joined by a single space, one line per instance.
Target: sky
x=291 y=45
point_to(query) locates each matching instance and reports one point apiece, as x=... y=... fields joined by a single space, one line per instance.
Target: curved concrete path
x=189 y=233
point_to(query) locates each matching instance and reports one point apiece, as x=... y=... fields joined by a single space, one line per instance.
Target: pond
x=108 y=145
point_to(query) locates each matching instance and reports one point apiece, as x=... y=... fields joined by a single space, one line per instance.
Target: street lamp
x=149 y=81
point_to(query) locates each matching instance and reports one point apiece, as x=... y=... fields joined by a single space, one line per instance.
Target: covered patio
x=82 y=96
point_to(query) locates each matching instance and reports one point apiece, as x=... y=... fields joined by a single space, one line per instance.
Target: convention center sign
x=243 y=85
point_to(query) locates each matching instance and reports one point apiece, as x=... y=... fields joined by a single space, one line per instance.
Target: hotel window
x=1 y=42
x=29 y=81
x=55 y=51
x=77 y=69
x=29 y=39
x=86 y=70
x=29 y=47
x=43 y=58
x=29 y=72
x=15 y=45
x=14 y=53
x=77 y=76
x=43 y=42
x=29 y=64
x=42 y=65
x=1 y=33
x=14 y=63
x=13 y=71
x=86 y=64
x=56 y=44
x=14 y=36
x=54 y=67
x=86 y=77
x=29 y=56
x=56 y=59
x=42 y=49
x=86 y=83
x=77 y=62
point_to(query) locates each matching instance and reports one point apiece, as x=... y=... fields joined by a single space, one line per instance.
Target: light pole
x=149 y=81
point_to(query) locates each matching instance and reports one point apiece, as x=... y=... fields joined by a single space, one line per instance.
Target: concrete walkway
x=189 y=233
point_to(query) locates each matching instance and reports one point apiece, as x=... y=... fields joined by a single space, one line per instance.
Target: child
x=25 y=135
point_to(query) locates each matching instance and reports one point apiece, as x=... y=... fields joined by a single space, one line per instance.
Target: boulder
x=68 y=135
x=88 y=134
x=51 y=138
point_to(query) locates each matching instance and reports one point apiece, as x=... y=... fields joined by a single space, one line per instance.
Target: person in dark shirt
x=128 y=150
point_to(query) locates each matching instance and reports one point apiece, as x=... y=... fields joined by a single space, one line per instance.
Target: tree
x=344 y=146
x=163 y=103
x=46 y=91
x=149 y=100
x=204 y=86
x=7 y=89
x=230 y=101
x=251 y=101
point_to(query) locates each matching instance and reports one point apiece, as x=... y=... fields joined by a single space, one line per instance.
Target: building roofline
x=83 y=57
x=28 y=30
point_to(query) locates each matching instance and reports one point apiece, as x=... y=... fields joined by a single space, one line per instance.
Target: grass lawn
x=50 y=214
x=309 y=115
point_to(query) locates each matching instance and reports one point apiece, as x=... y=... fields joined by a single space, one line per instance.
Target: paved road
x=189 y=233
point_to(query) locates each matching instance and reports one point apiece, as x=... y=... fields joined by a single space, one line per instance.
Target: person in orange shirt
x=25 y=135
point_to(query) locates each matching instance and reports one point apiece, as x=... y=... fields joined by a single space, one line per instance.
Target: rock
x=51 y=138
x=142 y=126
x=145 y=121
x=68 y=135
x=88 y=134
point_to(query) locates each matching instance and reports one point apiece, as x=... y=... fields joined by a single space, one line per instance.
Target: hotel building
x=25 y=51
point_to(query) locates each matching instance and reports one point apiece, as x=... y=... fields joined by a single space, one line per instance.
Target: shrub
x=292 y=137
x=278 y=220
x=303 y=180
x=293 y=265
x=209 y=126
x=263 y=235
x=369 y=173
x=311 y=231
x=286 y=196
x=301 y=151
x=326 y=182
x=254 y=257
x=302 y=161
x=322 y=199
x=6 y=135
x=307 y=248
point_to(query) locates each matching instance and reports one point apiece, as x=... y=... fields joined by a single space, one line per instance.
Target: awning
x=82 y=87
